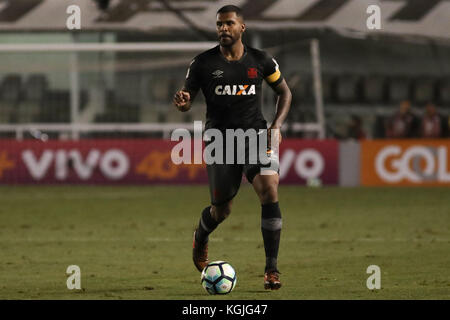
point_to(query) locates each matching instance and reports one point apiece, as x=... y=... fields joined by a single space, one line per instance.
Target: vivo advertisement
x=146 y=161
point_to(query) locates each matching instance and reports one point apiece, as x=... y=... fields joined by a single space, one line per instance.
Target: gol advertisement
x=144 y=161
x=405 y=163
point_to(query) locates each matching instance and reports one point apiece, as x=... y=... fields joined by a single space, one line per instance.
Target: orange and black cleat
x=200 y=254
x=272 y=280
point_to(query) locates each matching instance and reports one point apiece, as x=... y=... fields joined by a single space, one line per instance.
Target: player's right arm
x=182 y=100
x=184 y=97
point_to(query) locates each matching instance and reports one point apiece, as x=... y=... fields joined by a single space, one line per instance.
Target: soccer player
x=230 y=76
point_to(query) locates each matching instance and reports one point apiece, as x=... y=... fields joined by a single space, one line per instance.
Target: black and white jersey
x=232 y=89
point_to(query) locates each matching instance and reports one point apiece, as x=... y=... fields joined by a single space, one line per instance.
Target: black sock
x=271 y=230
x=206 y=225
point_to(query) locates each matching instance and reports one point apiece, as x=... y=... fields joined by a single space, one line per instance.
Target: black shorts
x=225 y=179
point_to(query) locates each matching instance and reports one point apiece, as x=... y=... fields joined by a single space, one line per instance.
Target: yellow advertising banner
x=405 y=162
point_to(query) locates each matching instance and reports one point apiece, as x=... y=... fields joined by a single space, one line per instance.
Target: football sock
x=206 y=225
x=271 y=230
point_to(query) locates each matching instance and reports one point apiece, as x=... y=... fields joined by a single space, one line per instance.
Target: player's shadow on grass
x=262 y=291
x=116 y=292
x=203 y=295
x=193 y=295
x=109 y=290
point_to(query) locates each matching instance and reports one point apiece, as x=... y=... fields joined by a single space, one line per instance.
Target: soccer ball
x=218 y=277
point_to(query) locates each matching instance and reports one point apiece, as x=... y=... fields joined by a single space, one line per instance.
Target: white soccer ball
x=218 y=277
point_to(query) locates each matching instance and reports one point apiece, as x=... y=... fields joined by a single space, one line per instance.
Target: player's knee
x=269 y=193
x=220 y=213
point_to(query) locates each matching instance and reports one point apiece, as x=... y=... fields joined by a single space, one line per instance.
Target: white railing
x=75 y=127
x=102 y=47
x=166 y=128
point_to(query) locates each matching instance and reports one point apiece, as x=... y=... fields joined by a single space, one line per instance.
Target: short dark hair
x=231 y=8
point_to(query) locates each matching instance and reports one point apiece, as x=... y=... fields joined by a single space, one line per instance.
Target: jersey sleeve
x=192 y=83
x=272 y=73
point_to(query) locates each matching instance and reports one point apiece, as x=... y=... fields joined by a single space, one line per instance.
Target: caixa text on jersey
x=235 y=90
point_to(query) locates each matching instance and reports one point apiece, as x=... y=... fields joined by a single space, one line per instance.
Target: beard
x=227 y=41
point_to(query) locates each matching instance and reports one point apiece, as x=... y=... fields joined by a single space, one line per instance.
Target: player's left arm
x=283 y=104
x=274 y=78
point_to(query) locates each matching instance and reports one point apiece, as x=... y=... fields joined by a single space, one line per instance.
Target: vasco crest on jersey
x=252 y=73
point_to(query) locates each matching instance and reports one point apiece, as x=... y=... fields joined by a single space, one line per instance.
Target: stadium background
x=93 y=107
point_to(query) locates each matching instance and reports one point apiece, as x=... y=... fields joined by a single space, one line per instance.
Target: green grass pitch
x=135 y=242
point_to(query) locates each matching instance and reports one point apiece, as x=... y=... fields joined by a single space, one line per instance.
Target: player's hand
x=182 y=100
x=270 y=148
x=277 y=131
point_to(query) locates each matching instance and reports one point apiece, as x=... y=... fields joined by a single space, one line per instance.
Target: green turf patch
x=135 y=242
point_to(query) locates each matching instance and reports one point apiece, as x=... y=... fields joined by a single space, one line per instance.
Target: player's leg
x=211 y=217
x=266 y=187
x=224 y=182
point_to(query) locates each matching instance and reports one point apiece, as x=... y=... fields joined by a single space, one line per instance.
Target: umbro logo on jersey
x=236 y=90
x=217 y=74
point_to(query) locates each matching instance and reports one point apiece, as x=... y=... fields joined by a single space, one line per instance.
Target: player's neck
x=234 y=52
